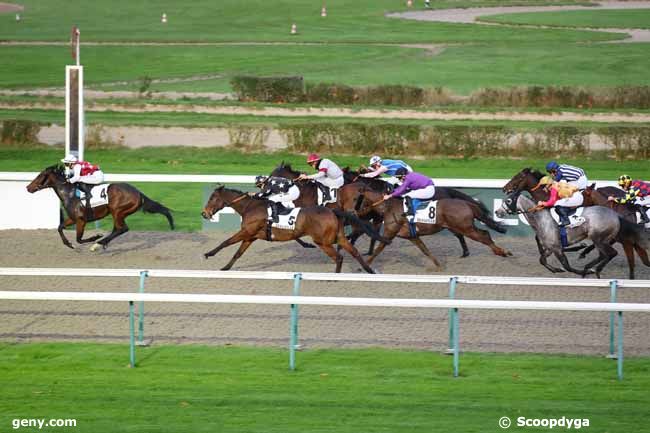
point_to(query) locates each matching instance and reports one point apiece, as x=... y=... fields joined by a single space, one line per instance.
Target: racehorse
x=601 y=226
x=324 y=225
x=631 y=238
x=123 y=200
x=308 y=188
x=453 y=214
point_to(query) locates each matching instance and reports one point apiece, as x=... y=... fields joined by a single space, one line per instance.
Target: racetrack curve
x=502 y=331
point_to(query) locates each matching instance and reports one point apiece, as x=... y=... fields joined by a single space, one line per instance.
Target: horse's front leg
x=565 y=262
x=242 y=248
x=68 y=221
x=237 y=237
x=81 y=225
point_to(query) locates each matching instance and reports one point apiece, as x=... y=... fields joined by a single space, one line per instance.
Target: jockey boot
x=642 y=210
x=87 y=190
x=275 y=208
x=563 y=212
x=326 y=192
x=410 y=216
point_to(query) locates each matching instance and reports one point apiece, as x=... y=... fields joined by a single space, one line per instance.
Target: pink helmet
x=313 y=157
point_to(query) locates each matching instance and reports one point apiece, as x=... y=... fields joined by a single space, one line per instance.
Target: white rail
x=328 y=301
x=322 y=276
x=241 y=179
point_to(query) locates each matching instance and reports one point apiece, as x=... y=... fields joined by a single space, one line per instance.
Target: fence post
x=143 y=276
x=293 y=340
x=613 y=285
x=619 y=361
x=131 y=336
x=452 y=295
x=456 y=345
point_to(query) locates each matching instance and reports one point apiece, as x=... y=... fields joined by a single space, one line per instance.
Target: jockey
x=84 y=174
x=385 y=166
x=637 y=194
x=572 y=175
x=279 y=191
x=414 y=187
x=559 y=193
x=329 y=174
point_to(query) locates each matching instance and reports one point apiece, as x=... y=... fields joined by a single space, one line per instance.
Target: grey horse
x=601 y=226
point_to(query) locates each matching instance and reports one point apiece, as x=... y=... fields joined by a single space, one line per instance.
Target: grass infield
x=241 y=389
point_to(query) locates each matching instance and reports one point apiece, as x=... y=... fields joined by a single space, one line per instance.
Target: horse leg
x=463 y=244
x=339 y=259
x=242 y=248
x=586 y=251
x=330 y=251
x=81 y=225
x=305 y=244
x=63 y=225
x=643 y=255
x=347 y=246
x=377 y=227
x=609 y=253
x=389 y=233
x=565 y=262
x=543 y=255
x=418 y=243
x=237 y=237
x=119 y=228
x=483 y=237
x=628 y=248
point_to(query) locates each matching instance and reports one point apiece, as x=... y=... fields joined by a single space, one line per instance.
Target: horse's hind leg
x=609 y=252
x=483 y=237
x=347 y=246
x=643 y=255
x=118 y=229
x=242 y=248
x=81 y=225
x=305 y=244
x=565 y=262
x=330 y=251
x=463 y=244
x=418 y=243
x=628 y=248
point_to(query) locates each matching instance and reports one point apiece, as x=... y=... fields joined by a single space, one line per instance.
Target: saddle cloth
x=333 y=194
x=99 y=195
x=286 y=220
x=575 y=218
x=638 y=216
x=426 y=211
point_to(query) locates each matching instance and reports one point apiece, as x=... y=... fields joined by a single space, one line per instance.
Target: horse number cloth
x=287 y=222
x=333 y=195
x=99 y=195
x=425 y=213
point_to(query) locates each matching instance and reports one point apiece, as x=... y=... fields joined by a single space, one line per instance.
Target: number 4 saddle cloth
x=425 y=212
x=99 y=195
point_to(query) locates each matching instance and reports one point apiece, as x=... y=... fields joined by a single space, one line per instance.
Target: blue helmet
x=552 y=166
x=401 y=172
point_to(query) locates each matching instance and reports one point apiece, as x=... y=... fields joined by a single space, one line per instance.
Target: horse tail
x=487 y=219
x=350 y=218
x=454 y=193
x=151 y=206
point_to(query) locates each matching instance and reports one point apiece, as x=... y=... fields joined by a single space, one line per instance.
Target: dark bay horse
x=324 y=225
x=632 y=236
x=123 y=200
x=456 y=215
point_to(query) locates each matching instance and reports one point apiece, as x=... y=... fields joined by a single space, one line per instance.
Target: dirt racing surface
x=570 y=332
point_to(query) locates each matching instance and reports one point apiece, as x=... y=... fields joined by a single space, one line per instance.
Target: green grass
x=186 y=200
x=461 y=69
x=253 y=20
x=236 y=389
x=622 y=19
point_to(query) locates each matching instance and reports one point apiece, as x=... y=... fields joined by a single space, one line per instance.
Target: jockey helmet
x=401 y=172
x=376 y=159
x=552 y=166
x=69 y=159
x=260 y=180
x=624 y=180
x=313 y=157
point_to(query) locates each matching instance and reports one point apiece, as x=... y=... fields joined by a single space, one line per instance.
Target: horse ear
x=526 y=170
x=220 y=187
x=282 y=164
x=592 y=186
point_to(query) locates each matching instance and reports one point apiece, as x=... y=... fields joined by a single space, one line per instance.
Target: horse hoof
x=69 y=246
x=95 y=247
x=206 y=257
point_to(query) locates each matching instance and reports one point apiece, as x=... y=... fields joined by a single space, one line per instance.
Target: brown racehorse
x=456 y=215
x=123 y=200
x=631 y=238
x=324 y=225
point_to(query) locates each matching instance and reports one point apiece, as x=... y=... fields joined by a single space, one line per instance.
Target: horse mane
x=538 y=174
x=57 y=169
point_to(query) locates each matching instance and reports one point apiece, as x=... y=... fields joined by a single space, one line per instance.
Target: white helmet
x=376 y=159
x=69 y=159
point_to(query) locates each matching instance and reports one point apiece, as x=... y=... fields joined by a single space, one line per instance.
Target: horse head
x=47 y=178
x=525 y=180
x=215 y=203
x=509 y=205
x=285 y=170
